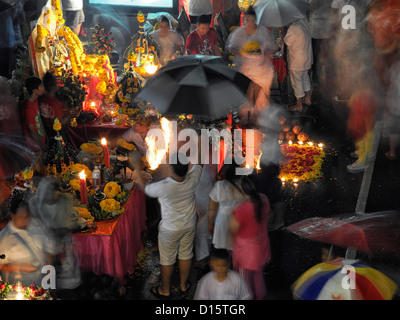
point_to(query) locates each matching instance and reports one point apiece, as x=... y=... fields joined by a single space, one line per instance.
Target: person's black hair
x=32 y=83
x=179 y=168
x=164 y=19
x=18 y=199
x=228 y=173
x=204 y=19
x=220 y=254
x=250 y=11
x=249 y=187
x=49 y=81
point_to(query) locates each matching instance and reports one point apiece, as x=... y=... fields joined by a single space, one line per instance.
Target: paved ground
x=336 y=192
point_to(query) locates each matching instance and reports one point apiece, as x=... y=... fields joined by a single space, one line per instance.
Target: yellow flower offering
x=252 y=47
x=79 y=167
x=28 y=173
x=124 y=144
x=91 y=148
x=56 y=125
x=75 y=184
x=83 y=212
x=110 y=205
x=111 y=189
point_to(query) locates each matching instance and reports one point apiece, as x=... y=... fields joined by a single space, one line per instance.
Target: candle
x=106 y=153
x=82 y=178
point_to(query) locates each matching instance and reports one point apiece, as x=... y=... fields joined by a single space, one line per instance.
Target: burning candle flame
x=103 y=142
x=82 y=175
x=150 y=68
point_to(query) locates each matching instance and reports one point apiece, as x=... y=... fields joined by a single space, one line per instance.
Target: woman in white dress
x=224 y=197
x=252 y=46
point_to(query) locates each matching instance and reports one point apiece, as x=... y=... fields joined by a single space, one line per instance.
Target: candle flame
x=300 y=142
x=82 y=175
x=156 y=155
x=150 y=68
x=295 y=180
x=103 y=142
x=290 y=142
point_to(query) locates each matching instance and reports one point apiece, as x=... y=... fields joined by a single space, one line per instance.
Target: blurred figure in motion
x=224 y=197
x=384 y=25
x=221 y=283
x=31 y=122
x=170 y=42
x=298 y=41
x=9 y=117
x=203 y=40
x=253 y=46
x=27 y=246
x=73 y=14
x=363 y=107
x=51 y=107
x=251 y=248
x=54 y=209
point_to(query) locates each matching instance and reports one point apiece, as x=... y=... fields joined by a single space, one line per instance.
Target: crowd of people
x=216 y=218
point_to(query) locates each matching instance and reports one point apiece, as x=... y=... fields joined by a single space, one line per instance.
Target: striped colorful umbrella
x=342 y=279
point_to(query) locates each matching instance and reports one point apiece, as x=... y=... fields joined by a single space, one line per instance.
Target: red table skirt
x=112 y=247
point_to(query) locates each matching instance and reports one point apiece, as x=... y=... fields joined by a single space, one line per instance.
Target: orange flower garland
x=302 y=162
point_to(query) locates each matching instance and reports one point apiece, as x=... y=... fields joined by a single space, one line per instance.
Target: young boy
x=31 y=122
x=221 y=283
x=203 y=40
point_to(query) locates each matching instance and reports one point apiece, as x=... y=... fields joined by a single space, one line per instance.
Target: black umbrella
x=198 y=85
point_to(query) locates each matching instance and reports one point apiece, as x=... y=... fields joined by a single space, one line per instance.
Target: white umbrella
x=280 y=13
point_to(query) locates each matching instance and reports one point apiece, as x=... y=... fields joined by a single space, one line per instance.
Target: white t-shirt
x=298 y=41
x=72 y=5
x=177 y=200
x=199 y=7
x=233 y=288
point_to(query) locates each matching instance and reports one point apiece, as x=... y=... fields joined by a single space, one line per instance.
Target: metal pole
x=367 y=177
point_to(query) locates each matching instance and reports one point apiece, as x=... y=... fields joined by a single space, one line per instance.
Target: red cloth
x=363 y=107
x=30 y=115
x=251 y=248
x=280 y=68
x=194 y=42
x=112 y=247
x=50 y=108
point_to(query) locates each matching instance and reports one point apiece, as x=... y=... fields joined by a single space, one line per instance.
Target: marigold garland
x=301 y=162
x=91 y=148
x=124 y=144
x=83 y=212
x=110 y=206
x=111 y=189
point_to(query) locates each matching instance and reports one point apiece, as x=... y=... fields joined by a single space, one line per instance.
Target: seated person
x=169 y=41
x=203 y=40
x=210 y=286
x=25 y=244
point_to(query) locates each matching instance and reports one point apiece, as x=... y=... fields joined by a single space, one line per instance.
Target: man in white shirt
x=298 y=41
x=73 y=14
x=176 y=195
x=169 y=41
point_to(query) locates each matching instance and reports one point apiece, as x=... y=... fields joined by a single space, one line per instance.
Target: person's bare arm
x=212 y=212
